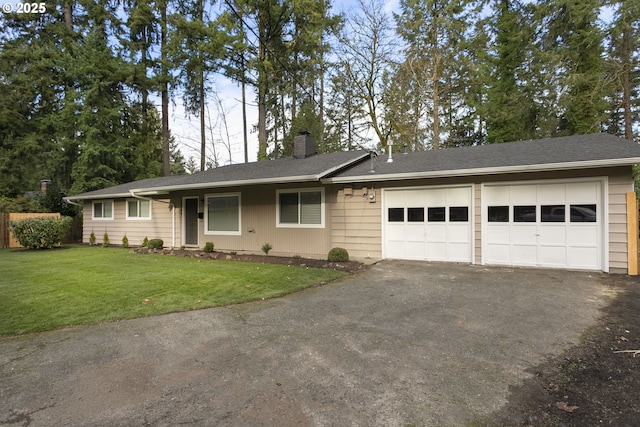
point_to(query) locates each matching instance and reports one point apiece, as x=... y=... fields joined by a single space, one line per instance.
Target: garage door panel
x=580 y=236
x=395 y=249
x=524 y=254
x=574 y=241
x=497 y=234
x=439 y=239
x=552 y=255
x=583 y=192
x=524 y=234
x=552 y=235
x=458 y=196
x=437 y=233
x=551 y=193
x=498 y=253
x=458 y=233
x=436 y=251
x=434 y=198
x=583 y=257
x=458 y=252
x=414 y=250
x=522 y=195
x=414 y=232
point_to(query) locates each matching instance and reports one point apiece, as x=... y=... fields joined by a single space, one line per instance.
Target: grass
x=44 y=290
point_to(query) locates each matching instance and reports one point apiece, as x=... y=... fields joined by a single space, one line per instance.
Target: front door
x=191 y=221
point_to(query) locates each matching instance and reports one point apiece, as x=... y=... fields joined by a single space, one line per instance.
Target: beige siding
x=258 y=224
x=478 y=223
x=620 y=183
x=356 y=221
x=158 y=227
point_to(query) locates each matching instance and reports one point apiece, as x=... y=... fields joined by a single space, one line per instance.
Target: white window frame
x=102 y=218
x=206 y=215
x=138 y=218
x=298 y=191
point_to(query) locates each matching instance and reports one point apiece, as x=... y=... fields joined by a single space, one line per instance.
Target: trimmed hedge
x=338 y=255
x=40 y=233
x=155 y=244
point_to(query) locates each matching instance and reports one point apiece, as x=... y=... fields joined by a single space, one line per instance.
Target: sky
x=186 y=130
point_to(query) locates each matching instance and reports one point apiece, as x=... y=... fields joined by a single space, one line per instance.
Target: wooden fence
x=6 y=237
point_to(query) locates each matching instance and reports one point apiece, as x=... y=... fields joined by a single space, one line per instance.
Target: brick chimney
x=303 y=145
x=44 y=184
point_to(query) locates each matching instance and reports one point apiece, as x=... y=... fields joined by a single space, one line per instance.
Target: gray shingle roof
x=569 y=152
x=579 y=151
x=312 y=168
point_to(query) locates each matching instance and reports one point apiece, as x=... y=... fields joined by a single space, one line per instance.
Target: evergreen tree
x=624 y=69
x=572 y=35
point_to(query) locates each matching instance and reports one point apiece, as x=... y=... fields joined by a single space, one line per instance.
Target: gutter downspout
x=173 y=215
x=68 y=200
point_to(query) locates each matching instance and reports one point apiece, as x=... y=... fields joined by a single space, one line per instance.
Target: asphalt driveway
x=403 y=343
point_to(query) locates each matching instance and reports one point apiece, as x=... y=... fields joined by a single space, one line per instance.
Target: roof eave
x=590 y=164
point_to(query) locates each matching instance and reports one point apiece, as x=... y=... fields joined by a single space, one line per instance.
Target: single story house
x=564 y=202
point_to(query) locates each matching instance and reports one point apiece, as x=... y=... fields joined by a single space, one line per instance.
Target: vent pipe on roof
x=304 y=145
x=390 y=158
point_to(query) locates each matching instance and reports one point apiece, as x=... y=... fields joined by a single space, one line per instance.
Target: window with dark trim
x=498 y=214
x=583 y=213
x=435 y=214
x=458 y=214
x=552 y=213
x=395 y=214
x=524 y=213
x=415 y=214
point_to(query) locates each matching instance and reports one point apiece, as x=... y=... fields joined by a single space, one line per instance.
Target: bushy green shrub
x=266 y=248
x=155 y=244
x=40 y=233
x=92 y=239
x=145 y=242
x=338 y=255
x=125 y=241
x=105 y=240
x=208 y=247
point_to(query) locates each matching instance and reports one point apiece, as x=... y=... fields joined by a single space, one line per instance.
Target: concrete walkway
x=403 y=343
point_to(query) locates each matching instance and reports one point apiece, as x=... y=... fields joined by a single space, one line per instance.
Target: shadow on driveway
x=403 y=343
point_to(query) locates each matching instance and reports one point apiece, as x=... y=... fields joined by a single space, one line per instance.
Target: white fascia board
x=237 y=183
x=590 y=164
x=98 y=197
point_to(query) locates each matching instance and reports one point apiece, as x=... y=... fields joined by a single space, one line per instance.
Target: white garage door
x=548 y=225
x=428 y=224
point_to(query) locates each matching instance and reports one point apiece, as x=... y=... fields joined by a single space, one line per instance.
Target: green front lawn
x=48 y=289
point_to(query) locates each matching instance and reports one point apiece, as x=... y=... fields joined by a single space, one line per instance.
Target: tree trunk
x=626 y=82
x=164 y=78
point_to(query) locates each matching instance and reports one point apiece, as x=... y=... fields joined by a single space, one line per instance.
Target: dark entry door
x=191 y=221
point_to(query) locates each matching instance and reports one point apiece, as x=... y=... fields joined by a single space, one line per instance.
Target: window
x=223 y=214
x=498 y=214
x=138 y=209
x=435 y=214
x=300 y=208
x=524 y=214
x=552 y=213
x=103 y=209
x=583 y=213
x=415 y=214
x=396 y=214
x=459 y=214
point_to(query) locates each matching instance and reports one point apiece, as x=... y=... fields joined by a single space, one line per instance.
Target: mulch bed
x=348 y=267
